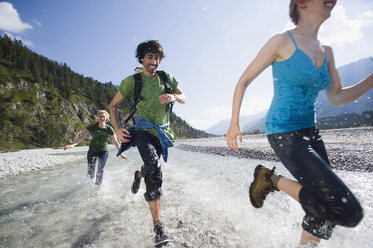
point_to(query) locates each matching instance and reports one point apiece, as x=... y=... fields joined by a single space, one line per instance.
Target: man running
x=151 y=132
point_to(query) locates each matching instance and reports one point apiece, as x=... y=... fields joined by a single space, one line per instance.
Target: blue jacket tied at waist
x=164 y=140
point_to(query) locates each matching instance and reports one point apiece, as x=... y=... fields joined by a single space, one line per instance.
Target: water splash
x=205 y=204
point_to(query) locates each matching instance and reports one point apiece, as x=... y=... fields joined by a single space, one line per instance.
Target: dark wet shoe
x=136 y=183
x=91 y=174
x=261 y=186
x=161 y=238
x=99 y=178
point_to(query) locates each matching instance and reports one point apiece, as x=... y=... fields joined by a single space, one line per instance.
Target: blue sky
x=208 y=43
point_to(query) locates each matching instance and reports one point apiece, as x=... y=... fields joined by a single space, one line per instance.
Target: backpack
x=137 y=89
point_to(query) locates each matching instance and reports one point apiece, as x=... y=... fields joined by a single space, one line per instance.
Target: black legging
x=150 y=150
x=326 y=200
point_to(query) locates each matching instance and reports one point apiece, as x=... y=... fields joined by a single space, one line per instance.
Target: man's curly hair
x=149 y=46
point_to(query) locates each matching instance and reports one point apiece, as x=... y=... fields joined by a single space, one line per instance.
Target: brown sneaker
x=261 y=186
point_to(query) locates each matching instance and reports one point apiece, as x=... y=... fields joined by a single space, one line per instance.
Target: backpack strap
x=167 y=87
x=164 y=78
x=137 y=87
x=136 y=97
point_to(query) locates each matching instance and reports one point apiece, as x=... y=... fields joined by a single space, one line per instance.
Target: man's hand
x=123 y=135
x=166 y=98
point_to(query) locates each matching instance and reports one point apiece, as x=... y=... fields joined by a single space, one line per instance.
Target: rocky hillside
x=34 y=115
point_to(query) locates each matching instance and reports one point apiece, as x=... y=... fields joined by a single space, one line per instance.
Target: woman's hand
x=69 y=146
x=123 y=156
x=234 y=131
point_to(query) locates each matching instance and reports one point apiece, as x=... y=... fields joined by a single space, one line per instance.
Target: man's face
x=150 y=63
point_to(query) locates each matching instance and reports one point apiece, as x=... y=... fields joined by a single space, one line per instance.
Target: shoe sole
x=162 y=243
x=257 y=169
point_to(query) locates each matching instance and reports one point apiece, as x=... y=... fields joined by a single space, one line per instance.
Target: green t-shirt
x=150 y=107
x=100 y=136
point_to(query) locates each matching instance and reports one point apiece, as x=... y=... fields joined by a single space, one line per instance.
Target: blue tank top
x=297 y=82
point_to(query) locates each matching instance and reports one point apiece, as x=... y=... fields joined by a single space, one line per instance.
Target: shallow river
x=205 y=204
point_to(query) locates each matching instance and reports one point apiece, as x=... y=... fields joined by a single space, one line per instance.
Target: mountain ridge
x=221 y=127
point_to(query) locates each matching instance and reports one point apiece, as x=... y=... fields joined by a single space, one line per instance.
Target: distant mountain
x=346 y=120
x=258 y=125
x=350 y=74
x=222 y=127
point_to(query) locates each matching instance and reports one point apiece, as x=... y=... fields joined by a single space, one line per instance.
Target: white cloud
x=289 y=25
x=204 y=119
x=24 y=42
x=254 y=104
x=200 y=124
x=341 y=30
x=37 y=22
x=250 y=106
x=9 y=19
x=222 y=111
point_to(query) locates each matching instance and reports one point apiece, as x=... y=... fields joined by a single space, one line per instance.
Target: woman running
x=301 y=68
x=98 y=147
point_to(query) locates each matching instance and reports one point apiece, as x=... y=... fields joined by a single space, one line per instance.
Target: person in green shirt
x=98 y=147
x=151 y=134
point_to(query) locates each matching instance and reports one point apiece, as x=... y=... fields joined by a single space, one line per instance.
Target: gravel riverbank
x=26 y=161
x=348 y=149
